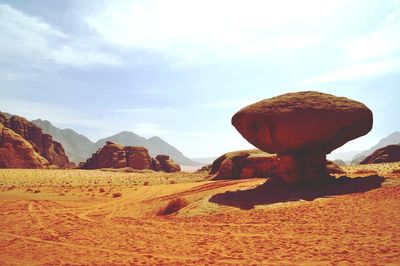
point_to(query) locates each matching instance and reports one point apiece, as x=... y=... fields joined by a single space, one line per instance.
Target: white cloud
x=14 y=76
x=210 y=30
x=29 y=41
x=369 y=55
x=383 y=41
x=54 y=113
x=358 y=72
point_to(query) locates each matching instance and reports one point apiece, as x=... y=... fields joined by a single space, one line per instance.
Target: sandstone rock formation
x=167 y=164
x=301 y=128
x=113 y=155
x=244 y=164
x=255 y=163
x=15 y=129
x=16 y=152
x=388 y=154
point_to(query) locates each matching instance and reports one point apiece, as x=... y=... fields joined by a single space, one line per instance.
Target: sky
x=179 y=69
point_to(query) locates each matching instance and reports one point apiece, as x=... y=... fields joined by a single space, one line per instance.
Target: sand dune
x=72 y=217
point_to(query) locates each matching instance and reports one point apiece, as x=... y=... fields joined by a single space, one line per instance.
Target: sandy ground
x=76 y=217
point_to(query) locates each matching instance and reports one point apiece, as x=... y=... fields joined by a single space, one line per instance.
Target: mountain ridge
x=79 y=147
x=393 y=138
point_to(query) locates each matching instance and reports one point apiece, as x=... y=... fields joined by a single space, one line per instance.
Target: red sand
x=79 y=225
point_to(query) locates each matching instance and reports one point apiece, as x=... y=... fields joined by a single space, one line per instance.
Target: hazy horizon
x=180 y=69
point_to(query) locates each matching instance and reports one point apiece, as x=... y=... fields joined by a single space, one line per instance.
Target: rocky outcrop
x=388 y=154
x=113 y=155
x=256 y=163
x=244 y=164
x=167 y=164
x=301 y=128
x=138 y=157
x=77 y=147
x=42 y=144
x=16 y=152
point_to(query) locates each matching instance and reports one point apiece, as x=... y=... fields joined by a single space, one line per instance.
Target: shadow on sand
x=274 y=191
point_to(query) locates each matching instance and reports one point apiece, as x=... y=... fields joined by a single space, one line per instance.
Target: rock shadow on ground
x=273 y=191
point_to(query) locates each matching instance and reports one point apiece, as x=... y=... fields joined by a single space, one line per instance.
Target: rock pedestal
x=293 y=168
x=301 y=128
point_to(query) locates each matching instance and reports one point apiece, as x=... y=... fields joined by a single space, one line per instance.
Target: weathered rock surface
x=16 y=152
x=243 y=164
x=113 y=155
x=301 y=128
x=388 y=154
x=257 y=163
x=138 y=157
x=41 y=143
x=167 y=164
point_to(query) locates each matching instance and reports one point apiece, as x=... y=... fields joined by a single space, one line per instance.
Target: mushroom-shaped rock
x=301 y=128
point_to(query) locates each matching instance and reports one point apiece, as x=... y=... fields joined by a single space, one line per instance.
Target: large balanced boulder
x=113 y=155
x=388 y=154
x=42 y=144
x=301 y=128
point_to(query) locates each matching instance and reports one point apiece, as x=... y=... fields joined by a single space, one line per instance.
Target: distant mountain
x=79 y=148
x=205 y=160
x=155 y=145
x=125 y=138
x=346 y=156
x=393 y=138
x=388 y=154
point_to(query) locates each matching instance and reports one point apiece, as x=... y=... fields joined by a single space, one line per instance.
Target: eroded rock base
x=302 y=167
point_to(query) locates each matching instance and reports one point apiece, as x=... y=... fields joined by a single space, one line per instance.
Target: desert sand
x=92 y=217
